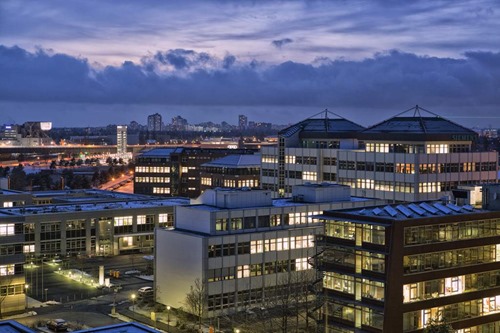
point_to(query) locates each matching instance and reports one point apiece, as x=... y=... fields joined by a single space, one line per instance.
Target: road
x=118 y=182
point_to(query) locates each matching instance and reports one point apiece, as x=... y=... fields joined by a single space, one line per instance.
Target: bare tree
x=196 y=300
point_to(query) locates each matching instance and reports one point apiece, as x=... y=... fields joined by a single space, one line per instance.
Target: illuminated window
x=122 y=220
x=301 y=264
x=29 y=248
x=309 y=175
x=6 y=270
x=7 y=229
x=141 y=219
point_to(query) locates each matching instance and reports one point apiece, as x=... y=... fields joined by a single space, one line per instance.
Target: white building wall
x=178 y=262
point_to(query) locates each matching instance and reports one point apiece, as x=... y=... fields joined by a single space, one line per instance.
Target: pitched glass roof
x=322 y=125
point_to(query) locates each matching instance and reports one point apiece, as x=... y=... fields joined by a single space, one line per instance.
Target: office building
x=75 y=223
x=398 y=268
x=231 y=171
x=154 y=122
x=121 y=139
x=242 y=122
x=175 y=171
x=244 y=247
x=413 y=156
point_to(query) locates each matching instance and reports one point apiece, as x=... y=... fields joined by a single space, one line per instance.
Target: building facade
x=398 y=268
x=242 y=246
x=405 y=158
x=74 y=223
x=232 y=171
x=154 y=122
x=121 y=139
x=175 y=171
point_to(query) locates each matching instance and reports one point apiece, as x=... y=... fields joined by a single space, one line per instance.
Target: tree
x=18 y=178
x=438 y=326
x=196 y=300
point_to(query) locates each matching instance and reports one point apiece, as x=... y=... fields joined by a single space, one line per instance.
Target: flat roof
x=235 y=161
x=12 y=326
x=281 y=202
x=97 y=206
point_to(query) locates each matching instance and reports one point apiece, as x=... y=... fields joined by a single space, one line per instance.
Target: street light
x=133 y=304
x=236 y=331
x=168 y=318
x=26 y=286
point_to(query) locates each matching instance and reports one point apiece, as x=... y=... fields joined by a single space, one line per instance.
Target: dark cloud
x=185 y=77
x=279 y=43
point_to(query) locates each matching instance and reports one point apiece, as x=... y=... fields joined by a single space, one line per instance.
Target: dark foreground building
x=396 y=268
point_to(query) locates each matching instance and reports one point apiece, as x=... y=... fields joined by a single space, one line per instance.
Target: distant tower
x=154 y=122
x=242 y=122
x=121 y=139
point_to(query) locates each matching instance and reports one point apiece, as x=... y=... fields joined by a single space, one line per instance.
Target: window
x=7 y=229
x=220 y=224
x=7 y=270
x=122 y=220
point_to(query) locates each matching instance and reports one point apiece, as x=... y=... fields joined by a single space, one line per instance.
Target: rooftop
x=412 y=211
x=66 y=208
x=11 y=326
x=332 y=127
x=235 y=161
x=418 y=126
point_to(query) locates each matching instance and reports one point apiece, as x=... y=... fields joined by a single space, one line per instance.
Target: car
x=57 y=325
x=145 y=292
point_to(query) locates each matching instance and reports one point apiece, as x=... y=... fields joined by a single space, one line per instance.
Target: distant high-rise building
x=121 y=139
x=154 y=122
x=179 y=123
x=242 y=122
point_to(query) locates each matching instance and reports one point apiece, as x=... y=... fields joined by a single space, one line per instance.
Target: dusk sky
x=98 y=62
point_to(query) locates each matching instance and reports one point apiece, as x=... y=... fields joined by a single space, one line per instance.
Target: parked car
x=145 y=292
x=57 y=325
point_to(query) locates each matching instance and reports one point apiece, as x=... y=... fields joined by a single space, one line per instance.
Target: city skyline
x=277 y=62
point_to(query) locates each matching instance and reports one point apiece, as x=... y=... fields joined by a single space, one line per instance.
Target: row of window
x=262 y=221
x=146 y=179
x=13 y=289
x=453 y=258
x=253 y=296
x=448 y=232
x=260 y=246
x=410 y=168
x=355 y=314
x=450 y=286
x=152 y=169
x=452 y=312
x=244 y=271
x=380 y=185
x=348 y=257
x=348 y=284
x=347 y=230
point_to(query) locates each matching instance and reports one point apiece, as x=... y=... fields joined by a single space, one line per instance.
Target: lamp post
x=26 y=286
x=133 y=304
x=168 y=318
